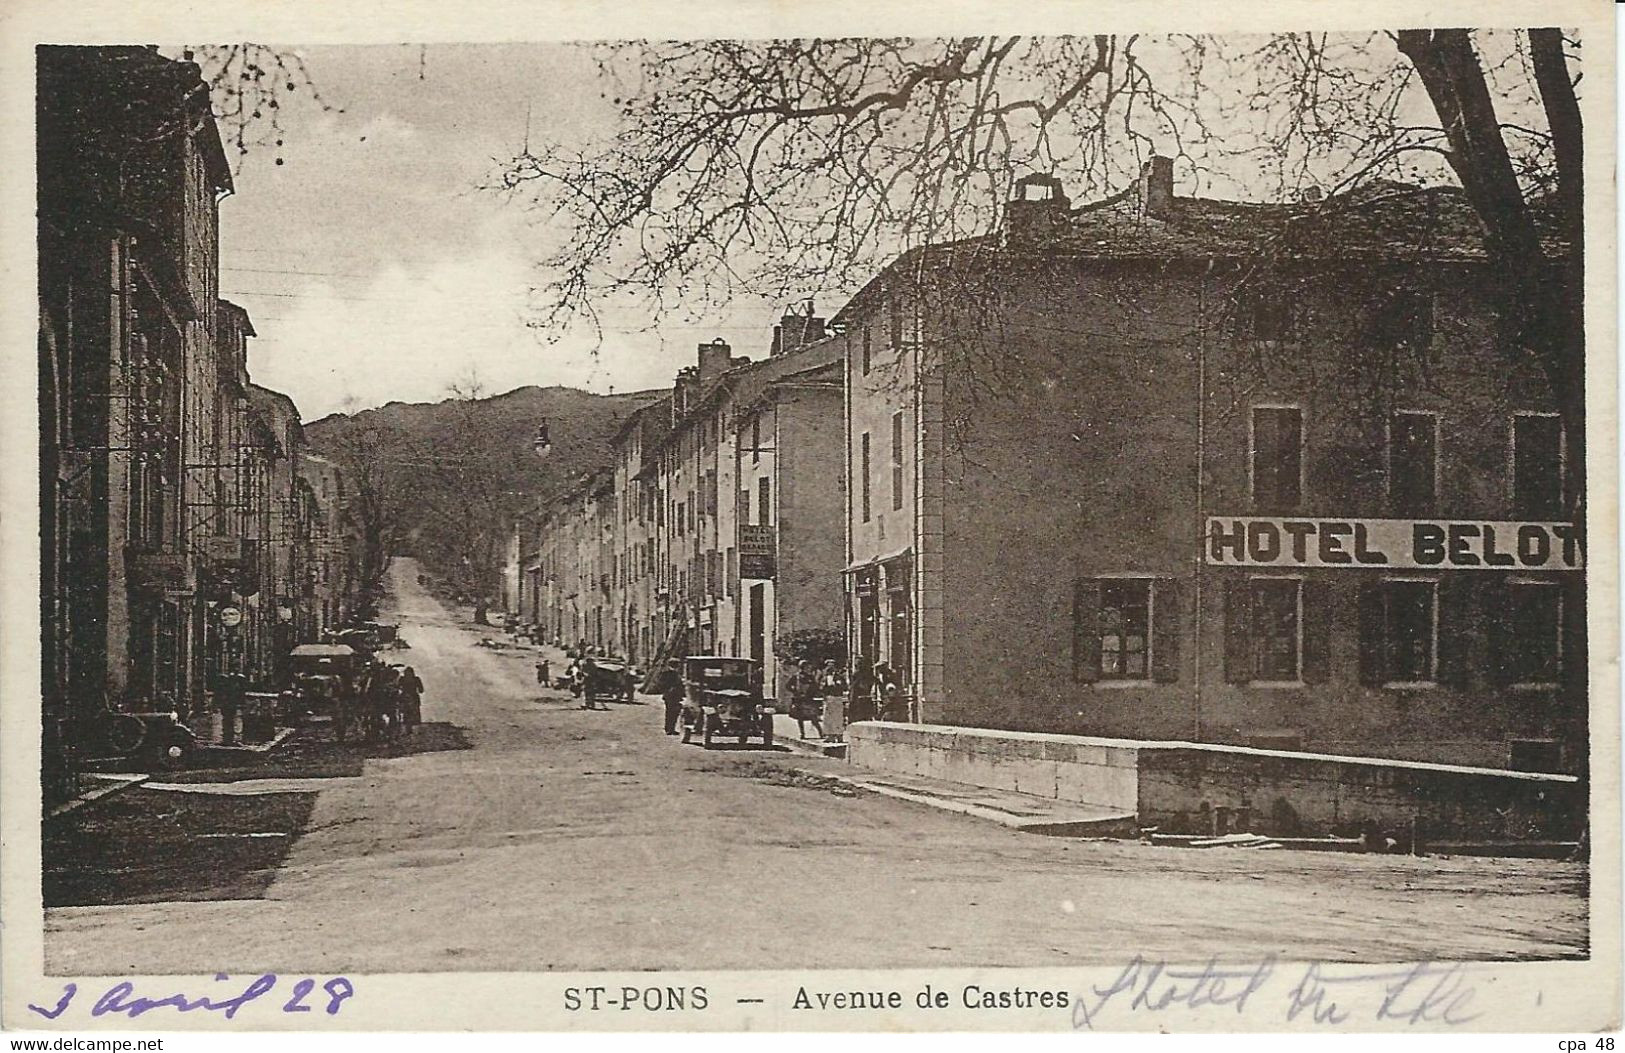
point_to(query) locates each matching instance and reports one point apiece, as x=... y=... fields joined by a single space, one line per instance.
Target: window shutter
x=1455 y=633
x=1497 y=620
x=1237 y=633
x=1373 y=644
x=1317 y=637
x=1167 y=615
x=1086 y=630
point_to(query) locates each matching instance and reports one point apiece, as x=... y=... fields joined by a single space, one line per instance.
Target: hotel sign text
x=1400 y=544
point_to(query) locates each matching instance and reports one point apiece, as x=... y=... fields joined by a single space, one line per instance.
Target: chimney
x=1310 y=195
x=1157 y=187
x=715 y=359
x=1031 y=218
x=682 y=393
x=794 y=330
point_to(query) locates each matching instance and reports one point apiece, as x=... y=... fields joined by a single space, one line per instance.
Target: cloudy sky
x=373 y=268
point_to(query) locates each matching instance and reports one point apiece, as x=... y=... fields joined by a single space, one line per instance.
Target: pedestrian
x=229 y=699
x=412 y=696
x=887 y=692
x=542 y=670
x=584 y=682
x=671 y=693
x=804 y=703
x=860 y=688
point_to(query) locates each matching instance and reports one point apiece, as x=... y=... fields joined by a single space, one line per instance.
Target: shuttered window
x=1534 y=616
x=1403 y=627
x=863 y=470
x=897 y=460
x=1537 y=466
x=1413 y=458
x=1276 y=631
x=1126 y=629
x=1277 y=458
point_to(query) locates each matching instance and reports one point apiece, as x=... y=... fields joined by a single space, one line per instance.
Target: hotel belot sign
x=1397 y=544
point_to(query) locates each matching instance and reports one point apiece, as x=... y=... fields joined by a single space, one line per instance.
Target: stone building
x=1167 y=467
x=164 y=495
x=717 y=526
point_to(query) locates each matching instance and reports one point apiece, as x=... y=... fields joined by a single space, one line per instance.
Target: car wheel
x=124 y=733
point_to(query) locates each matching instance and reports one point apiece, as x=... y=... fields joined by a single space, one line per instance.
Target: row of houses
x=186 y=532
x=1154 y=467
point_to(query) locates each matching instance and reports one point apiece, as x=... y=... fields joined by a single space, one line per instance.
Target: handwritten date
x=122 y=998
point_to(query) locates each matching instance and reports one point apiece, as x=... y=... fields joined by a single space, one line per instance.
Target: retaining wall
x=1198 y=788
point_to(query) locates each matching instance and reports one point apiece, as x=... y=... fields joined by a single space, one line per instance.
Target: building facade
x=1174 y=468
x=157 y=479
x=716 y=527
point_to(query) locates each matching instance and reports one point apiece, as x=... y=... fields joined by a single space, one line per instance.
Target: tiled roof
x=1380 y=221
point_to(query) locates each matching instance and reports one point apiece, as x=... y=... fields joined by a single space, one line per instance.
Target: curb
x=1121 y=826
x=113 y=784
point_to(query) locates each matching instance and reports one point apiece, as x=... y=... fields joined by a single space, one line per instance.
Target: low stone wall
x=1199 y=788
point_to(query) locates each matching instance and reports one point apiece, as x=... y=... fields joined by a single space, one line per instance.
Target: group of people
x=392 y=697
x=875 y=692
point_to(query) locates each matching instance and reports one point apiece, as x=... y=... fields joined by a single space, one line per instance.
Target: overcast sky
x=373 y=269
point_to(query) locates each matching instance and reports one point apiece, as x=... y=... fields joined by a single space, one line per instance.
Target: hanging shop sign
x=1396 y=544
x=231 y=617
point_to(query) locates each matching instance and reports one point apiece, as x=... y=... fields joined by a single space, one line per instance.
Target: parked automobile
x=723 y=696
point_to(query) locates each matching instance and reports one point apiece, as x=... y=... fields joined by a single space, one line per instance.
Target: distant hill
x=454 y=467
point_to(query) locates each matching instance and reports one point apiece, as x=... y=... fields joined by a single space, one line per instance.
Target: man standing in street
x=671 y=693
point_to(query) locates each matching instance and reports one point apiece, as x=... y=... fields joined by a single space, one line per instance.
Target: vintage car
x=326 y=681
x=723 y=696
x=604 y=679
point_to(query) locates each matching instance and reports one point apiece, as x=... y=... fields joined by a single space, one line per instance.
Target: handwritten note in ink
x=227 y=999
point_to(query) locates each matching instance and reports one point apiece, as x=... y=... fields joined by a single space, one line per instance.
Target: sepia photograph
x=985 y=506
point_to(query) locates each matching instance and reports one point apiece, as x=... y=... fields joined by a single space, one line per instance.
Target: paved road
x=522 y=833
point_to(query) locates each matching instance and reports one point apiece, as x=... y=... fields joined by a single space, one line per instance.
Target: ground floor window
x=1411 y=630
x=1535 y=643
x=1277 y=626
x=1125 y=630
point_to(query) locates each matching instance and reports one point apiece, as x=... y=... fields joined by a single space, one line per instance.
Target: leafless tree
x=789 y=167
x=365 y=446
x=251 y=86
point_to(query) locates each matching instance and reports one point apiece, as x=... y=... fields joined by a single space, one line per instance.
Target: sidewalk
x=784 y=731
x=96 y=786
x=1019 y=811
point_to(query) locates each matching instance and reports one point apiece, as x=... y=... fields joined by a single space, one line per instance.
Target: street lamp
x=542 y=444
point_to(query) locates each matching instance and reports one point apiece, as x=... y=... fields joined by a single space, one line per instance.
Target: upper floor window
x=755 y=440
x=863 y=474
x=1266 y=314
x=868 y=349
x=1537 y=466
x=894 y=304
x=1413 y=463
x=1403 y=318
x=764 y=501
x=897 y=460
x=1277 y=458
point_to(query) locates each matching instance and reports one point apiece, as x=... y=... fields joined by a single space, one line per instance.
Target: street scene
x=515 y=831
x=814 y=503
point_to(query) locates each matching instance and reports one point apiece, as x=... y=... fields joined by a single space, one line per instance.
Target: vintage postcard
x=797 y=517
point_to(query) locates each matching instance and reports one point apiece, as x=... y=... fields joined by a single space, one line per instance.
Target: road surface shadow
x=315 y=754
x=147 y=846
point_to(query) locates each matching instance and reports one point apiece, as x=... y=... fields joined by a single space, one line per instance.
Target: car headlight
x=769 y=710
